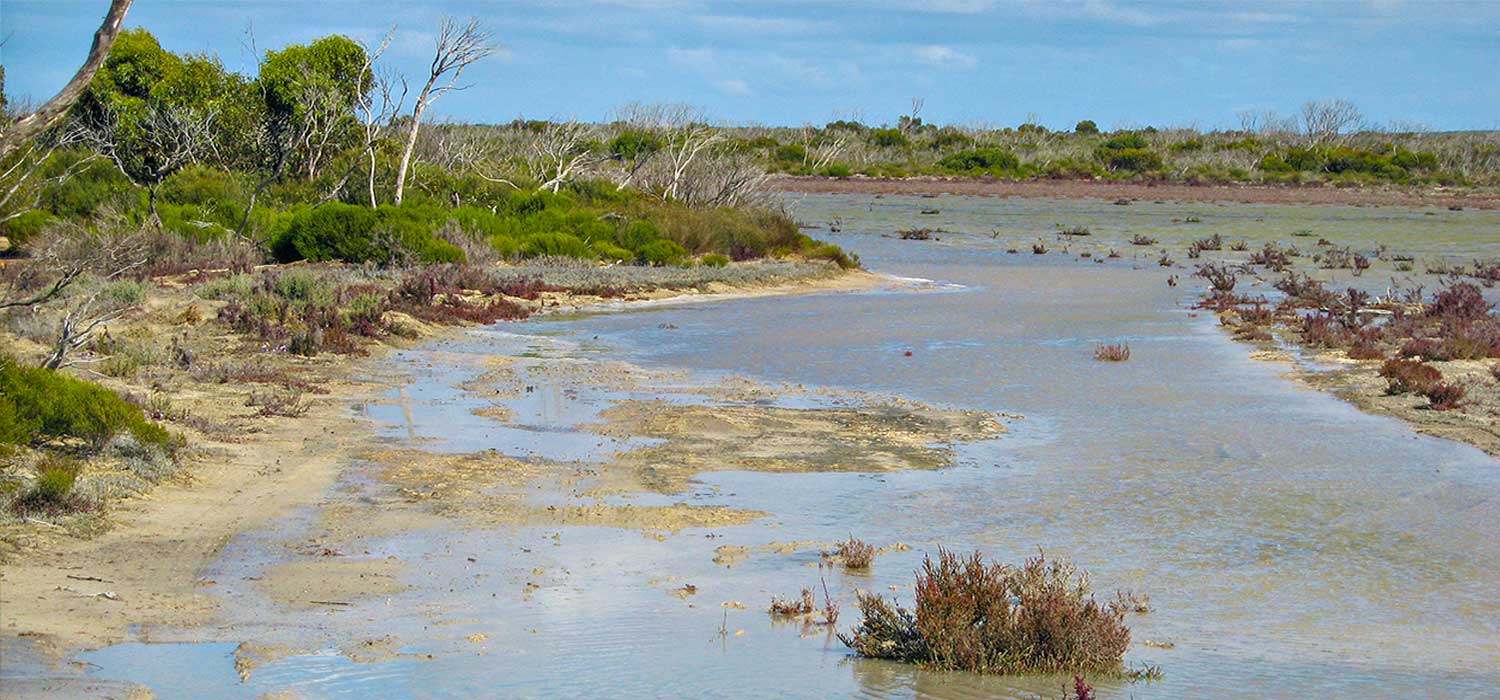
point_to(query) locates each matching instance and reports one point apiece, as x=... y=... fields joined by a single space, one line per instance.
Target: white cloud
x=1104 y=10
x=733 y=86
x=697 y=59
x=739 y=24
x=944 y=57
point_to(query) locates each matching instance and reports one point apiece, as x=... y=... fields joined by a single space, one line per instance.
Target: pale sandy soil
x=63 y=592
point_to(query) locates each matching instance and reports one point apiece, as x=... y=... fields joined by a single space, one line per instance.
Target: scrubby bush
x=43 y=403
x=25 y=228
x=1131 y=160
x=52 y=491
x=991 y=618
x=1404 y=376
x=559 y=244
x=887 y=138
x=714 y=260
x=662 y=253
x=855 y=554
x=1086 y=127
x=1444 y=397
x=989 y=160
x=334 y=231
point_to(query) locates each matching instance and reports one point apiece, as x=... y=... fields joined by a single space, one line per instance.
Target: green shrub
x=304 y=288
x=334 y=231
x=790 y=154
x=836 y=170
x=888 y=138
x=611 y=252
x=25 y=228
x=50 y=404
x=1341 y=160
x=1131 y=160
x=91 y=187
x=714 y=260
x=662 y=252
x=950 y=138
x=980 y=160
x=636 y=234
x=1126 y=141
x=54 y=482
x=230 y=287
x=202 y=185
x=1086 y=127
x=561 y=244
x=52 y=491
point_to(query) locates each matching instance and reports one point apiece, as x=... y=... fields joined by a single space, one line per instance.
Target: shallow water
x=1291 y=545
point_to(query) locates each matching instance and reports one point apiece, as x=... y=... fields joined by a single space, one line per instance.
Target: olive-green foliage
x=325 y=76
x=25 y=227
x=714 y=260
x=663 y=253
x=1132 y=159
x=790 y=154
x=1126 y=141
x=559 y=244
x=887 y=138
x=632 y=145
x=202 y=203
x=351 y=233
x=54 y=481
x=93 y=186
x=334 y=231
x=140 y=79
x=47 y=404
x=988 y=160
x=1086 y=127
x=1388 y=162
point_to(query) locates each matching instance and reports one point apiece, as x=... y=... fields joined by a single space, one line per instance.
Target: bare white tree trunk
x=458 y=47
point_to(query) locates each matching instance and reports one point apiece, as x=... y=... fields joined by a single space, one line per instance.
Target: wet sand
x=62 y=593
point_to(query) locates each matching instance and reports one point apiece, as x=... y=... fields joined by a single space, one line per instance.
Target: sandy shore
x=1148 y=191
x=64 y=593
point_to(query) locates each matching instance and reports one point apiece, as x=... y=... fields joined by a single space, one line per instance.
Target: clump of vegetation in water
x=982 y=617
x=1112 y=352
x=854 y=553
x=793 y=607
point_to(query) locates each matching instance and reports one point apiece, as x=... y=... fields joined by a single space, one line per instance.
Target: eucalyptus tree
x=458 y=47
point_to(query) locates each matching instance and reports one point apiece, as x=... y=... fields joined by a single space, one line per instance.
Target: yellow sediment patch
x=332 y=581
x=702 y=438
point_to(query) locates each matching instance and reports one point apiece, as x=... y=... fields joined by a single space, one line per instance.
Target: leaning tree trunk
x=32 y=125
x=411 y=139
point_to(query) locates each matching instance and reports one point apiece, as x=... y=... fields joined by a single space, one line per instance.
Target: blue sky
x=994 y=62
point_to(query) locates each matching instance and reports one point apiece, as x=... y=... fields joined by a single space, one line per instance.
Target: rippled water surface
x=1291 y=545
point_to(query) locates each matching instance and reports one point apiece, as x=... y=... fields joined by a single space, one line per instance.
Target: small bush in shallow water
x=855 y=554
x=990 y=618
x=792 y=607
x=1112 y=352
